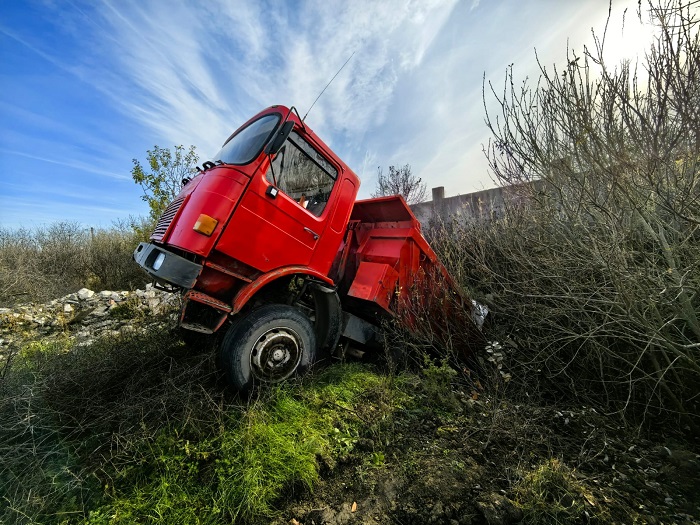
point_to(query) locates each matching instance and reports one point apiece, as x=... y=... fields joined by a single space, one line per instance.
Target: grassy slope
x=140 y=428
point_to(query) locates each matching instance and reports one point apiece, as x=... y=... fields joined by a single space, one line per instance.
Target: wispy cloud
x=49 y=57
x=101 y=81
x=31 y=212
x=68 y=192
x=78 y=165
x=192 y=73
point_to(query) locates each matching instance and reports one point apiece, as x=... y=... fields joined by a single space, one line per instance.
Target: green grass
x=138 y=429
x=550 y=493
x=261 y=453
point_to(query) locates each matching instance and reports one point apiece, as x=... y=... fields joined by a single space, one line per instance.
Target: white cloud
x=192 y=74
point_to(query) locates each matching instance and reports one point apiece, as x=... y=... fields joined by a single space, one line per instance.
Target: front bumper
x=165 y=266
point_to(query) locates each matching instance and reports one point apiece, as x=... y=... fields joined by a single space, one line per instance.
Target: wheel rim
x=276 y=355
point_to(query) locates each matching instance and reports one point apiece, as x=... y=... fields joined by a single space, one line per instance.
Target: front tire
x=269 y=345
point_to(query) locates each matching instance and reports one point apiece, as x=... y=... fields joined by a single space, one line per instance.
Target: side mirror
x=278 y=140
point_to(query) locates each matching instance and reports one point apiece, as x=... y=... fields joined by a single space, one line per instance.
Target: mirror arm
x=281 y=135
x=272 y=169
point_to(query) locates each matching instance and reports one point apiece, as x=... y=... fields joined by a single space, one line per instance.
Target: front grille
x=166 y=219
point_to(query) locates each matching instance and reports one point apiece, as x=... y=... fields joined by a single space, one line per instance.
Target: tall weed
x=48 y=262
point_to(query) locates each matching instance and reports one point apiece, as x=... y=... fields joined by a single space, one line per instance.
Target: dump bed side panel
x=388 y=233
x=383 y=209
x=394 y=268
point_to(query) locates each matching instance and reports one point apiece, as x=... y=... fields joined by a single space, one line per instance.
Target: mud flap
x=329 y=317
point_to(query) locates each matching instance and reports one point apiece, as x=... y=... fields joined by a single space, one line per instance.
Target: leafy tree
x=161 y=180
x=400 y=181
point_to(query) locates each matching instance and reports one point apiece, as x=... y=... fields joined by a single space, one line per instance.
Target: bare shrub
x=400 y=181
x=41 y=264
x=61 y=256
x=109 y=263
x=49 y=262
x=16 y=250
x=596 y=271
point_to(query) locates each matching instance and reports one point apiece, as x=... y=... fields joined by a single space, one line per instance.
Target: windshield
x=247 y=144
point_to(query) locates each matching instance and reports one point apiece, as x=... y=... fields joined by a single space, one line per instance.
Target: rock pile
x=84 y=315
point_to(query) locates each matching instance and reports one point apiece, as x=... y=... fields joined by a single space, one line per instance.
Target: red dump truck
x=268 y=243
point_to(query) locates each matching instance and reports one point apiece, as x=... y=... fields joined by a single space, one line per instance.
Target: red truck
x=268 y=243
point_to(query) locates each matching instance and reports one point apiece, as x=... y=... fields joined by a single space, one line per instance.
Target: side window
x=303 y=174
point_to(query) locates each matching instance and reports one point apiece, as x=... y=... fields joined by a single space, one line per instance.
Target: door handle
x=313 y=233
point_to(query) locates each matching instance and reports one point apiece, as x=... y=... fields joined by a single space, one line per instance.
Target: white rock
x=67 y=308
x=106 y=293
x=153 y=304
x=100 y=311
x=84 y=294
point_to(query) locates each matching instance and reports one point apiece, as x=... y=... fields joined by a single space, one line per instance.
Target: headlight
x=159 y=261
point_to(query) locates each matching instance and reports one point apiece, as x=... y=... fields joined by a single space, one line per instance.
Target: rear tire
x=271 y=344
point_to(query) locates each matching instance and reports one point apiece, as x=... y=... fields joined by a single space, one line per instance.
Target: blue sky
x=85 y=86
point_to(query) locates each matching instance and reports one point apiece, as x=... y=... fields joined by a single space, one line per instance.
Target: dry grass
x=46 y=263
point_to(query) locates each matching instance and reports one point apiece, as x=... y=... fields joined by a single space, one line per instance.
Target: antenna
x=329 y=83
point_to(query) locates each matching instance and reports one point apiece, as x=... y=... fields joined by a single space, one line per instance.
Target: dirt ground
x=488 y=461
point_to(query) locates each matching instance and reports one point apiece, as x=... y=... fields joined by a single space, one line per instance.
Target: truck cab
x=261 y=221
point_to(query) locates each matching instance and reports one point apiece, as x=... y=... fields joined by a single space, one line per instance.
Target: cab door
x=282 y=217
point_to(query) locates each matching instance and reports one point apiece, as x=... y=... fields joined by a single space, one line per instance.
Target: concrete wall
x=481 y=205
x=485 y=204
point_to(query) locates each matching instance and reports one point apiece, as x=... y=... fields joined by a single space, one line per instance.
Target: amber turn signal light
x=205 y=224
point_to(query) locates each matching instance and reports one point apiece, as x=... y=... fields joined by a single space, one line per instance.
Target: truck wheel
x=270 y=345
